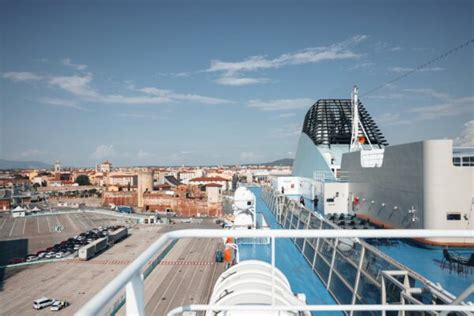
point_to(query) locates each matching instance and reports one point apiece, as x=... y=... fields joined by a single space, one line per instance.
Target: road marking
x=123 y=262
x=81 y=221
x=187 y=263
x=24 y=225
x=13 y=226
x=73 y=224
x=57 y=220
x=49 y=226
x=3 y=224
x=157 y=306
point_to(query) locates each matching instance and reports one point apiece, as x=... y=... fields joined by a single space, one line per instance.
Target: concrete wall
x=416 y=186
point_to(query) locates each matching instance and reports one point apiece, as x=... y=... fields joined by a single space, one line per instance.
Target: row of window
x=463 y=161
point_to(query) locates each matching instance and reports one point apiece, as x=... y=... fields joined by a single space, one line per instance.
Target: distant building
x=5 y=200
x=105 y=167
x=213 y=191
x=57 y=167
x=208 y=180
x=122 y=179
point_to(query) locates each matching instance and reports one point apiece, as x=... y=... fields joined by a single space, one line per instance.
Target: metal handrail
x=322 y=308
x=131 y=278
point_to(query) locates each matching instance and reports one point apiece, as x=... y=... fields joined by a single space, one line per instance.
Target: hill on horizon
x=279 y=162
x=14 y=164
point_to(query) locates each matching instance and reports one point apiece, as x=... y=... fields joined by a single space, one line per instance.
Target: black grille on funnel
x=329 y=122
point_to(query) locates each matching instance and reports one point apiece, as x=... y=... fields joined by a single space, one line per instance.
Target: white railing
x=131 y=278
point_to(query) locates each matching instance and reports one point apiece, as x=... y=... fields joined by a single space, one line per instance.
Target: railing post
x=273 y=270
x=134 y=296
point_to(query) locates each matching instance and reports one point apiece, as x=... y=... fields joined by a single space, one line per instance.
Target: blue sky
x=180 y=82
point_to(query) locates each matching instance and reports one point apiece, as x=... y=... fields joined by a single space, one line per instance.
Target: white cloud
x=389 y=119
x=285 y=115
x=142 y=116
x=466 y=138
x=362 y=66
x=175 y=74
x=80 y=86
x=406 y=69
x=21 y=76
x=390 y=96
x=77 y=85
x=231 y=70
x=240 y=81
x=68 y=62
x=450 y=107
x=430 y=92
x=61 y=103
x=172 y=96
x=281 y=104
x=103 y=151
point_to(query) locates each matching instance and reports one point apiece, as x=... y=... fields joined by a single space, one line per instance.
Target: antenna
x=359 y=136
x=355 y=145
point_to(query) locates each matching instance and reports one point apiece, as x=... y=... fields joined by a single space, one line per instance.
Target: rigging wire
x=426 y=64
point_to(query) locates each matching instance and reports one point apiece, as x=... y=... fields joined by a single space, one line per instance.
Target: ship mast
x=359 y=136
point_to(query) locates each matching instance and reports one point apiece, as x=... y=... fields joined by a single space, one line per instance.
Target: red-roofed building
x=211 y=180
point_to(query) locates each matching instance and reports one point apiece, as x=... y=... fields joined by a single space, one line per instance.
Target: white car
x=42 y=303
x=58 y=305
x=50 y=255
x=59 y=255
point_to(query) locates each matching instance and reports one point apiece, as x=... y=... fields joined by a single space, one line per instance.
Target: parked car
x=50 y=255
x=58 y=305
x=59 y=255
x=31 y=258
x=42 y=303
x=16 y=260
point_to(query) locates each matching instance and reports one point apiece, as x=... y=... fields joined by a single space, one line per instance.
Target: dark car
x=16 y=260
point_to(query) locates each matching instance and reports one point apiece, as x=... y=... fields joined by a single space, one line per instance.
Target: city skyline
x=160 y=83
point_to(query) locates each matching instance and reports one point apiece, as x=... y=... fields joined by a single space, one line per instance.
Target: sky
x=222 y=82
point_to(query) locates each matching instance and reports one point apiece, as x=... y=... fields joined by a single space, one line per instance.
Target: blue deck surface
x=290 y=261
x=427 y=262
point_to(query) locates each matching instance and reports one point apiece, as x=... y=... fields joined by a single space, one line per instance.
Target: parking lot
x=77 y=281
x=44 y=231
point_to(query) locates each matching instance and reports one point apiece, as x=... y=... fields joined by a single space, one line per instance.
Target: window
x=457 y=161
x=330 y=200
x=453 y=217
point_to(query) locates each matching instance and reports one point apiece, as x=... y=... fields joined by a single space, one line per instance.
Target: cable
x=406 y=74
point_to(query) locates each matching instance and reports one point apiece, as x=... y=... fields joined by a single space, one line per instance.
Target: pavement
x=190 y=262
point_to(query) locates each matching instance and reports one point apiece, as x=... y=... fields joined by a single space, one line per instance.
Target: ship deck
x=290 y=261
x=425 y=261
